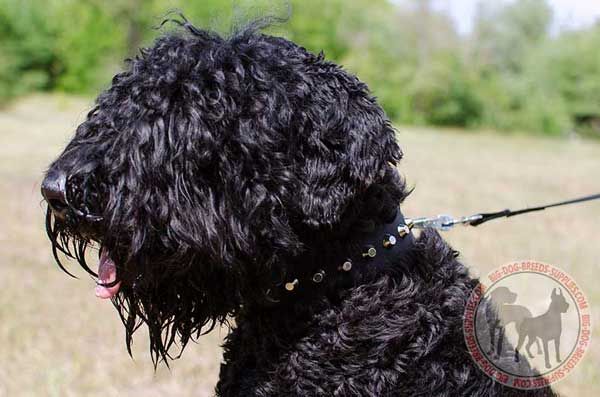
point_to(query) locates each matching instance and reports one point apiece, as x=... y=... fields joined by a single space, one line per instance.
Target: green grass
x=57 y=339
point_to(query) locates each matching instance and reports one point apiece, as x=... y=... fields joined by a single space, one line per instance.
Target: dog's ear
x=349 y=144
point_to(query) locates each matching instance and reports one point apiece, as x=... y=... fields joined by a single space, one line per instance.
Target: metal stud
x=403 y=230
x=290 y=286
x=369 y=251
x=389 y=241
x=318 y=276
x=347 y=266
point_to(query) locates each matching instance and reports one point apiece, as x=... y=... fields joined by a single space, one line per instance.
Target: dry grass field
x=57 y=339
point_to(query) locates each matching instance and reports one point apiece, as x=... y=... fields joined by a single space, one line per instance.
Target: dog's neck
x=364 y=253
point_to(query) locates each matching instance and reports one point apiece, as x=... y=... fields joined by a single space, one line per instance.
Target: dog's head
x=503 y=295
x=204 y=166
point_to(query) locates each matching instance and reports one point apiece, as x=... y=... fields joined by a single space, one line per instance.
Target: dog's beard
x=65 y=239
x=176 y=306
x=177 y=297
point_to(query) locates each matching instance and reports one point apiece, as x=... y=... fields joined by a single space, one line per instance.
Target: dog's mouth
x=108 y=285
x=74 y=215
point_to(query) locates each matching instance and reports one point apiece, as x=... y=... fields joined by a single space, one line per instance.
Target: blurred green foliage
x=510 y=73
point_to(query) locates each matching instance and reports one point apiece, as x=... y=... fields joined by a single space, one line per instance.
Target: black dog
x=247 y=178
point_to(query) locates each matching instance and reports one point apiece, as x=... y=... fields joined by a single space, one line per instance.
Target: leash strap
x=446 y=222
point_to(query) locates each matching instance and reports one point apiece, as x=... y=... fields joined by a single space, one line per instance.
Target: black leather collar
x=384 y=249
x=384 y=245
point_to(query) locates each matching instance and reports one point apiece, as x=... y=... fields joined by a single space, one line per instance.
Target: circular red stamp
x=527 y=324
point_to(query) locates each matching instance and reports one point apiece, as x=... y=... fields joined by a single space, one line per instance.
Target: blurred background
x=497 y=104
x=526 y=65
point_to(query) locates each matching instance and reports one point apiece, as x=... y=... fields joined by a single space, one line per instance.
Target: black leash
x=446 y=222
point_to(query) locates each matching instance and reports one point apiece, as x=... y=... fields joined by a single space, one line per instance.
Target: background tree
x=510 y=73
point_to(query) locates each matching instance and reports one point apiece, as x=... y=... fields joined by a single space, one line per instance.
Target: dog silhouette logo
x=520 y=305
x=546 y=327
x=501 y=312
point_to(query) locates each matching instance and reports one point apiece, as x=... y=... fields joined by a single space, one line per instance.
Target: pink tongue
x=107 y=273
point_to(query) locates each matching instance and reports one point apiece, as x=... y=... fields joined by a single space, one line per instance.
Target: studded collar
x=385 y=248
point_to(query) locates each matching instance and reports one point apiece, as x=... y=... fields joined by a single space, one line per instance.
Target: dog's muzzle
x=55 y=192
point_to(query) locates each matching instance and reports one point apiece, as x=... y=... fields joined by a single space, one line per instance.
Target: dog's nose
x=54 y=191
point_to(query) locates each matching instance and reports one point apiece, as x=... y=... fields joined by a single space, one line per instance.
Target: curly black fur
x=213 y=170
